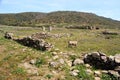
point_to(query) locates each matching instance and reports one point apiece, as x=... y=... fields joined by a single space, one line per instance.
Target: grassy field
x=13 y=53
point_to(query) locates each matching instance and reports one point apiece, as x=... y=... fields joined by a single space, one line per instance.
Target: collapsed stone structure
x=39 y=44
x=31 y=41
x=101 y=61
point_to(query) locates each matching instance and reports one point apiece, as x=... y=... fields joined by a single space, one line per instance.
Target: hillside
x=64 y=17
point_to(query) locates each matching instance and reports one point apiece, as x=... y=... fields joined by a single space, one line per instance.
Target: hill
x=63 y=17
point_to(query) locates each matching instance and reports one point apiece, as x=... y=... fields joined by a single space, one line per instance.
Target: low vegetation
x=13 y=54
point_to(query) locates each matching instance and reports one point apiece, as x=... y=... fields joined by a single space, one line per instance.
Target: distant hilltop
x=58 y=17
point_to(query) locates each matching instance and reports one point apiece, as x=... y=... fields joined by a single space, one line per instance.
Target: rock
x=54 y=53
x=97 y=78
x=8 y=35
x=74 y=72
x=114 y=73
x=55 y=57
x=95 y=55
x=89 y=71
x=32 y=61
x=61 y=61
x=69 y=63
x=104 y=72
x=117 y=58
x=97 y=73
x=53 y=64
x=78 y=61
x=87 y=66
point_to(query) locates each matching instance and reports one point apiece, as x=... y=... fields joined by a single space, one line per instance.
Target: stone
x=104 y=72
x=53 y=64
x=8 y=35
x=32 y=61
x=97 y=73
x=54 y=53
x=97 y=78
x=114 y=73
x=104 y=58
x=117 y=58
x=89 y=71
x=78 y=61
x=74 y=72
x=55 y=57
x=87 y=66
x=61 y=61
x=69 y=63
x=95 y=55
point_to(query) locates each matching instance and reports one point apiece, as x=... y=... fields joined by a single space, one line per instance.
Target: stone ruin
x=31 y=41
x=101 y=61
x=39 y=44
x=45 y=35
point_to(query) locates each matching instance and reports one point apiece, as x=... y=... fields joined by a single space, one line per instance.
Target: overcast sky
x=107 y=8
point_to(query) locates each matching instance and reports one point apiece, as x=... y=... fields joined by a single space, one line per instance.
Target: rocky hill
x=64 y=17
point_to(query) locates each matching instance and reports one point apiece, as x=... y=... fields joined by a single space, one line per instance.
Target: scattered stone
x=78 y=61
x=55 y=57
x=97 y=78
x=53 y=64
x=54 y=53
x=74 y=72
x=69 y=63
x=97 y=73
x=104 y=72
x=89 y=71
x=117 y=58
x=61 y=61
x=87 y=66
x=113 y=73
x=32 y=61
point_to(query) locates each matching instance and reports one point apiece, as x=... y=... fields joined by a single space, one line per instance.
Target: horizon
x=108 y=8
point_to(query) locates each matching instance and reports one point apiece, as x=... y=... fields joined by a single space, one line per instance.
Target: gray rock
x=61 y=61
x=53 y=64
x=78 y=61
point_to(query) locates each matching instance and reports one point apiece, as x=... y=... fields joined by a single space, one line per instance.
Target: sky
x=106 y=8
